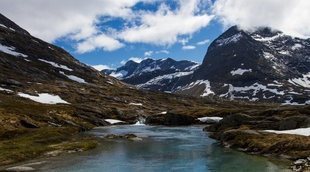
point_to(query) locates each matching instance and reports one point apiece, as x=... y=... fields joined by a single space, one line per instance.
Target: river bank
x=242 y=131
x=160 y=148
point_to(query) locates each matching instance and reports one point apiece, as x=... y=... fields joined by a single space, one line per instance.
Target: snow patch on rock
x=6 y=90
x=44 y=98
x=267 y=39
x=207 y=91
x=255 y=88
x=56 y=65
x=304 y=81
x=136 y=104
x=160 y=79
x=74 y=78
x=11 y=51
x=113 y=121
x=210 y=119
x=232 y=39
x=240 y=71
x=299 y=131
x=297 y=46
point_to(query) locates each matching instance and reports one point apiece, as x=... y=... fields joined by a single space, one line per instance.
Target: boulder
x=170 y=119
x=294 y=122
x=230 y=121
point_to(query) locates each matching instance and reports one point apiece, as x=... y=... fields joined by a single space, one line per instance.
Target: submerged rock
x=131 y=137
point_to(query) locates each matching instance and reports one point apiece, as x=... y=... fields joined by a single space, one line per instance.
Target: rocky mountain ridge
x=262 y=65
x=160 y=75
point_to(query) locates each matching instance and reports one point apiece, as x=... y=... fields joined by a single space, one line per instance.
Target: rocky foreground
x=47 y=98
x=248 y=132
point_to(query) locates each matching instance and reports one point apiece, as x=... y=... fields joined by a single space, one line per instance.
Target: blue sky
x=109 y=32
x=115 y=58
x=191 y=46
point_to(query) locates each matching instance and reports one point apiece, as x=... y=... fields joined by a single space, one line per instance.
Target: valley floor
x=30 y=130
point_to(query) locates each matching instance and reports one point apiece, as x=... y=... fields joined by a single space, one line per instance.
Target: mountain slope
x=262 y=65
x=161 y=75
x=33 y=71
x=47 y=97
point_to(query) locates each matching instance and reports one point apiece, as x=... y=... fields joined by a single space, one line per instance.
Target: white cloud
x=164 y=26
x=289 y=16
x=148 y=53
x=101 y=67
x=52 y=19
x=188 y=47
x=206 y=41
x=162 y=52
x=183 y=41
x=99 y=41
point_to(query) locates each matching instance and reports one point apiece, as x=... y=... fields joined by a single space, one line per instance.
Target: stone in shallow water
x=300 y=161
x=131 y=137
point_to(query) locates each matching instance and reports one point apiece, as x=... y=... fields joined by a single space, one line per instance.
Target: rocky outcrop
x=246 y=132
x=170 y=119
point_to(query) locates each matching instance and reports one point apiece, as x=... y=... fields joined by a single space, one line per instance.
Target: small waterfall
x=141 y=121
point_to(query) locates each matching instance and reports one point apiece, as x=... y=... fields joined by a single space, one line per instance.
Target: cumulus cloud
x=164 y=26
x=188 y=47
x=53 y=19
x=289 y=16
x=79 y=20
x=99 y=41
x=101 y=67
x=206 y=41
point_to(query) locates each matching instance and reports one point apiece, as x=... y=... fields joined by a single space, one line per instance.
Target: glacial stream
x=162 y=149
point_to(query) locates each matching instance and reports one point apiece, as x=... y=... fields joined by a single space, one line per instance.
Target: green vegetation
x=24 y=144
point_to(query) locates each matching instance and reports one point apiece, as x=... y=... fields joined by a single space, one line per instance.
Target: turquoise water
x=162 y=149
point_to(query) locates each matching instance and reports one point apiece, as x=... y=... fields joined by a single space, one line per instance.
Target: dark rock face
x=11 y=25
x=27 y=124
x=170 y=119
x=231 y=121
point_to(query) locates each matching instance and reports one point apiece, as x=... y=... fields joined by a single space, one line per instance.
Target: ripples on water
x=162 y=149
